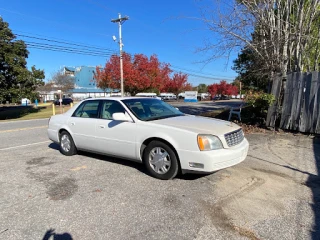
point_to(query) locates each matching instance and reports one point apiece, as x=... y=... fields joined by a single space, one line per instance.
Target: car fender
x=164 y=137
x=58 y=123
x=166 y=134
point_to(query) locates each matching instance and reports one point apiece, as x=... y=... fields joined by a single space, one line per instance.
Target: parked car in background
x=25 y=101
x=151 y=95
x=65 y=101
x=168 y=96
x=225 y=97
x=149 y=131
x=221 y=97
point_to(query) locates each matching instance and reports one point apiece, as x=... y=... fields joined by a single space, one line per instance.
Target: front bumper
x=210 y=161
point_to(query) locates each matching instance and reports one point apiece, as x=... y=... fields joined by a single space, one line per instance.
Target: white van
x=151 y=95
x=168 y=96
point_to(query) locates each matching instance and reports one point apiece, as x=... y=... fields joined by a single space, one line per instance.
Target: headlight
x=209 y=142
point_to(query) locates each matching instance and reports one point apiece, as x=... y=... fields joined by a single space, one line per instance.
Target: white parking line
x=26 y=145
x=17 y=121
x=22 y=129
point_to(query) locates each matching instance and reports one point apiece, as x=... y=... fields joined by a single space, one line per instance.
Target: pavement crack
x=2 y=231
x=251 y=185
x=220 y=220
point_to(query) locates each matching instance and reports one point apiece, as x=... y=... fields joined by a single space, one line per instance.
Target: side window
x=110 y=107
x=88 y=109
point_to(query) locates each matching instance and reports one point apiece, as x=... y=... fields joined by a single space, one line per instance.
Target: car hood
x=200 y=125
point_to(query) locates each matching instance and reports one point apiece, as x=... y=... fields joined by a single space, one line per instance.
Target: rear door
x=83 y=125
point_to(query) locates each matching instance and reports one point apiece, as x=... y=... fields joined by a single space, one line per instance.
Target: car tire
x=67 y=146
x=160 y=160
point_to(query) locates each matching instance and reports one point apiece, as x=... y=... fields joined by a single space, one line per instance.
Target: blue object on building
x=84 y=80
x=36 y=102
x=190 y=100
x=83 y=76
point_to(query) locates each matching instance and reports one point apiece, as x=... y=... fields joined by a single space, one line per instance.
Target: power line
x=64 y=47
x=63 y=42
x=67 y=51
x=95 y=51
x=206 y=77
x=54 y=38
x=196 y=73
x=56 y=47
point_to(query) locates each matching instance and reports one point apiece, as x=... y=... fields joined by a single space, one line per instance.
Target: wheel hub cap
x=159 y=160
x=65 y=143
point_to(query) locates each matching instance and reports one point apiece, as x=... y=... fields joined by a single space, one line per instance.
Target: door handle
x=73 y=123
x=102 y=126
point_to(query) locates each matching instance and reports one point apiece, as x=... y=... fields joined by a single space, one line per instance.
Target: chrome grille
x=234 y=138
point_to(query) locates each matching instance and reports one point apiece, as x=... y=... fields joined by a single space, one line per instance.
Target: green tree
x=252 y=73
x=202 y=88
x=16 y=81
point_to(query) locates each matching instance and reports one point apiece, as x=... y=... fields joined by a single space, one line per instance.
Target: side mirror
x=121 y=117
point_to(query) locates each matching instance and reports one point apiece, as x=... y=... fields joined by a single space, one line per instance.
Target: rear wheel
x=160 y=160
x=67 y=146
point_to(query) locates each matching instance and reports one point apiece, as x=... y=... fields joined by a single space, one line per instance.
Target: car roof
x=117 y=98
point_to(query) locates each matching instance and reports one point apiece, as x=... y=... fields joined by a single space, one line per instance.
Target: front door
x=115 y=137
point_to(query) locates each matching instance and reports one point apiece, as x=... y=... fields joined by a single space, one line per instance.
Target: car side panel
x=178 y=138
x=56 y=123
x=83 y=132
x=116 y=138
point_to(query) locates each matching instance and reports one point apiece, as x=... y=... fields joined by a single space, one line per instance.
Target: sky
x=163 y=28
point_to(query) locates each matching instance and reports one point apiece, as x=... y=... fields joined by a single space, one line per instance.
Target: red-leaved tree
x=108 y=77
x=222 y=88
x=178 y=83
x=140 y=73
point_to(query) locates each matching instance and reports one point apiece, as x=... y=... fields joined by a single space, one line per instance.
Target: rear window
x=88 y=109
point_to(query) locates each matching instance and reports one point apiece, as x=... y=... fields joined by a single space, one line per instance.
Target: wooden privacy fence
x=299 y=107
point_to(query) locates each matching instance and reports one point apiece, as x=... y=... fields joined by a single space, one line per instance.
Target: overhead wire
x=93 y=50
x=183 y=70
x=196 y=73
x=68 y=48
x=67 y=51
x=64 y=42
x=54 y=38
x=97 y=51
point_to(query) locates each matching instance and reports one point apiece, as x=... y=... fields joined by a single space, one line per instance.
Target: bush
x=259 y=102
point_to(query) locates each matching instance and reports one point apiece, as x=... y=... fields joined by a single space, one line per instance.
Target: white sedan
x=149 y=131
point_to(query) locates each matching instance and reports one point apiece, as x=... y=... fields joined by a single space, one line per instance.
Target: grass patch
x=28 y=112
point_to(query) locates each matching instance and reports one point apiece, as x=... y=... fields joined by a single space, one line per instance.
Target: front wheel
x=67 y=146
x=160 y=160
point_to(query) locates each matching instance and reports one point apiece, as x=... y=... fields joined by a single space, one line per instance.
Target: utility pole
x=120 y=21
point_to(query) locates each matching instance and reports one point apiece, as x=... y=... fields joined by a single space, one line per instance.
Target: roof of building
x=71 y=69
x=92 y=90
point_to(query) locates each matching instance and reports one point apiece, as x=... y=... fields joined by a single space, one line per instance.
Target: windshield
x=149 y=109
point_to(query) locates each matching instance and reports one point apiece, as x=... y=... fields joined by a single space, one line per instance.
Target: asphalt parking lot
x=196 y=108
x=273 y=194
